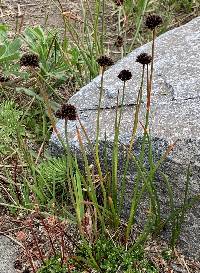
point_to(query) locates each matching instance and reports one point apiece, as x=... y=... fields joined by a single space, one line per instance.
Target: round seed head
x=29 y=59
x=104 y=61
x=119 y=41
x=67 y=111
x=144 y=58
x=58 y=113
x=125 y=75
x=153 y=21
x=119 y=2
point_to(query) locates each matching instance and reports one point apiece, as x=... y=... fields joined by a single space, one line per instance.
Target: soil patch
x=38 y=12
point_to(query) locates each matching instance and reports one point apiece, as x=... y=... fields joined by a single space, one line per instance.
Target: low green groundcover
x=108 y=256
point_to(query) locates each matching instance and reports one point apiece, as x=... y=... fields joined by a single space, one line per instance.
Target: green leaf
x=32 y=93
x=14 y=46
x=11 y=57
x=39 y=32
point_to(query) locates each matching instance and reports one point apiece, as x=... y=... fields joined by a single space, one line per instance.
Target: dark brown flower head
x=29 y=59
x=119 y=42
x=3 y=78
x=144 y=58
x=125 y=75
x=67 y=111
x=119 y=2
x=104 y=61
x=153 y=21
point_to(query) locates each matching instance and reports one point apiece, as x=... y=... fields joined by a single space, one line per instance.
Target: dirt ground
x=35 y=12
x=47 y=13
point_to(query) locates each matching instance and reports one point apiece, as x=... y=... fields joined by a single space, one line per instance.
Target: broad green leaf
x=11 y=57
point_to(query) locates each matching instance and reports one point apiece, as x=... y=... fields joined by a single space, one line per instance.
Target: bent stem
x=30 y=258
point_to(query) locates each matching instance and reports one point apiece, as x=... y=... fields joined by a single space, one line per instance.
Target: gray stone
x=175 y=115
x=8 y=254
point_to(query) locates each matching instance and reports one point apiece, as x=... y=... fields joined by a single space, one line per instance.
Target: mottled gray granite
x=8 y=255
x=175 y=115
x=176 y=71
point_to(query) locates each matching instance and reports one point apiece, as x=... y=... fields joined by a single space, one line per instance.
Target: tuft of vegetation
x=10 y=128
x=40 y=70
x=111 y=257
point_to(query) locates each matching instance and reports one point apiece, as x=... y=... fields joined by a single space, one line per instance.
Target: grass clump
x=51 y=181
x=74 y=187
x=10 y=128
x=111 y=257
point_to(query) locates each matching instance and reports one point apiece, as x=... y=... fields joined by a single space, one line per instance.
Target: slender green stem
x=139 y=24
x=135 y=125
x=98 y=120
x=146 y=177
x=63 y=16
x=103 y=27
x=49 y=111
x=142 y=175
x=90 y=187
x=148 y=102
x=153 y=57
x=97 y=12
x=115 y=149
x=149 y=91
x=122 y=104
x=66 y=137
x=124 y=47
x=97 y=140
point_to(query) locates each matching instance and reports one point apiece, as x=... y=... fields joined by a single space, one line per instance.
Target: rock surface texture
x=175 y=114
x=8 y=254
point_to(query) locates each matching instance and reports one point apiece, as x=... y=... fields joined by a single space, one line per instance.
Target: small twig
x=15 y=169
x=35 y=238
x=11 y=230
x=49 y=235
x=3 y=178
x=11 y=166
x=8 y=194
x=9 y=156
x=40 y=151
x=12 y=239
x=32 y=5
